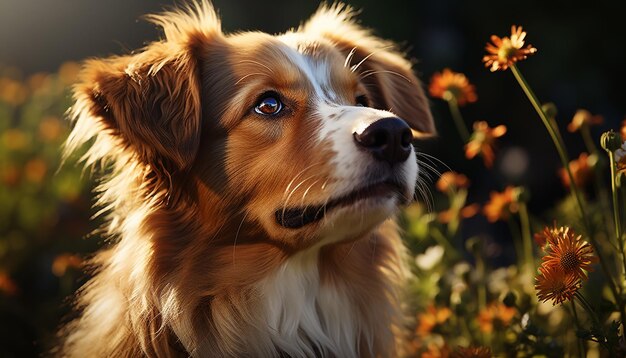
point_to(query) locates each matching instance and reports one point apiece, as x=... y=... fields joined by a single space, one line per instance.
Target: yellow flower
x=449 y=85
x=500 y=205
x=569 y=253
x=581 y=171
x=583 y=118
x=504 y=52
x=472 y=352
x=431 y=318
x=483 y=141
x=495 y=314
x=451 y=181
x=555 y=285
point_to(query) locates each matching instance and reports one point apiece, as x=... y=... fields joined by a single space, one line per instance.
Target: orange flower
x=7 y=286
x=449 y=85
x=500 y=205
x=64 y=262
x=50 y=128
x=35 y=170
x=451 y=181
x=13 y=92
x=68 y=72
x=431 y=318
x=495 y=314
x=466 y=213
x=581 y=171
x=548 y=235
x=555 y=285
x=505 y=52
x=622 y=130
x=482 y=142
x=583 y=118
x=435 y=351
x=472 y=352
x=569 y=253
x=10 y=175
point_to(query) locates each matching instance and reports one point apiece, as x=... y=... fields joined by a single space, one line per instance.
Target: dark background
x=579 y=64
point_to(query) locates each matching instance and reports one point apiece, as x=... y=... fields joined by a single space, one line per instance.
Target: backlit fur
x=196 y=263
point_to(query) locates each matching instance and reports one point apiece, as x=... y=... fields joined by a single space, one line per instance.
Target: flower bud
x=549 y=109
x=610 y=141
x=521 y=195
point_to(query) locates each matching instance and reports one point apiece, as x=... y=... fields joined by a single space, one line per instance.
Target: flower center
x=452 y=92
x=507 y=50
x=569 y=261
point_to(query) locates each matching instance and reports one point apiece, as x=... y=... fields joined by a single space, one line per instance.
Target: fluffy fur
x=193 y=180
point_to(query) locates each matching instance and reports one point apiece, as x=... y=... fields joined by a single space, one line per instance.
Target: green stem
x=443 y=241
x=581 y=343
x=591 y=312
x=574 y=188
x=589 y=143
x=616 y=216
x=526 y=237
x=555 y=138
x=517 y=241
x=458 y=119
x=589 y=309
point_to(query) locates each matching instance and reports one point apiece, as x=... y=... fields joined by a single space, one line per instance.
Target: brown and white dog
x=250 y=184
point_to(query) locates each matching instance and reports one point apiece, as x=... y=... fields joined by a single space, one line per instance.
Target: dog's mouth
x=297 y=217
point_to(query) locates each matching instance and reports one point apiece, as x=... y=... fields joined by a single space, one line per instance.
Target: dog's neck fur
x=312 y=303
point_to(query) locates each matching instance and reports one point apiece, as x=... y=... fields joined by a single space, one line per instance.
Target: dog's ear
x=385 y=72
x=148 y=103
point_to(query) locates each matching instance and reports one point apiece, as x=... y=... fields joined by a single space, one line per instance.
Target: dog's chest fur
x=305 y=313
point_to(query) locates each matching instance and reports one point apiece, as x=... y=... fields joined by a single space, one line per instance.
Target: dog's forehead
x=320 y=62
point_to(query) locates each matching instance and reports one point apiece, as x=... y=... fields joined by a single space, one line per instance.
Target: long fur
x=190 y=268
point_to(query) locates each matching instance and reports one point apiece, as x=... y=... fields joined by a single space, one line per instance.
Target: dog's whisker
x=298 y=175
x=286 y=202
x=307 y=190
x=257 y=63
x=349 y=57
x=237 y=236
x=349 y=251
x=385 y=71
x=432 y=159
x=426 y=195
x=355 y=67
x=249 y=75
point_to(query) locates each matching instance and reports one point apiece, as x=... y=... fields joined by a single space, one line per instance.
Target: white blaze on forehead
x=316 y=69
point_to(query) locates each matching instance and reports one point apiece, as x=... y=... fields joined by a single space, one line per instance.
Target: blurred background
x=45 y=207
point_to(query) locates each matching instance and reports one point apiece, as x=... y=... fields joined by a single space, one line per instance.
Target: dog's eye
x=362 y=101
x=269 y=105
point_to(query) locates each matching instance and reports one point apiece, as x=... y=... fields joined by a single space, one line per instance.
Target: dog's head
x=307 y=134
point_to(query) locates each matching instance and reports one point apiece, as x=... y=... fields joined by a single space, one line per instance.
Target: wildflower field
x=560 y=291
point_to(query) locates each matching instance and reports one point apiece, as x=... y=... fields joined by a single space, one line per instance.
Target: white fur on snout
x=339 y=125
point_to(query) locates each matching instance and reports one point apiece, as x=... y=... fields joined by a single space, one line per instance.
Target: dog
x=249 y=186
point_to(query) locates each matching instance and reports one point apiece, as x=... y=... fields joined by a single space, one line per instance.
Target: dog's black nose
x=388 y=139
